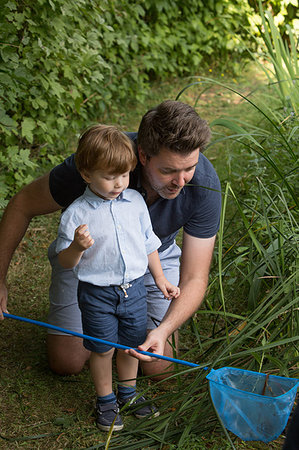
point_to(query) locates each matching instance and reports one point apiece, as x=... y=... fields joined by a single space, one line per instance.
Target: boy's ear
x=85 y=175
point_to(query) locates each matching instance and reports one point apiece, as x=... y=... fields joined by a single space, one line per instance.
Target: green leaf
x=27 y=127
x=6 y=120
x=56 y=88
x=11 y=5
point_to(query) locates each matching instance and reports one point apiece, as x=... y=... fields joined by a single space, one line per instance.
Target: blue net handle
x=85 y=336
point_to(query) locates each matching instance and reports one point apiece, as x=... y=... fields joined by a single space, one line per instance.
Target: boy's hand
x=169 y=290
x=82 y=238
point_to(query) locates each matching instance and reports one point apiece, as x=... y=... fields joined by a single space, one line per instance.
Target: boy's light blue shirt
x=122 y=232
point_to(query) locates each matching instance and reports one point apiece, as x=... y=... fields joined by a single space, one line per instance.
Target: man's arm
x=194 y=273
x=33 y=200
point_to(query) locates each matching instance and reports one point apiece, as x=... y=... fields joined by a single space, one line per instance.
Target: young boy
x=107 y=237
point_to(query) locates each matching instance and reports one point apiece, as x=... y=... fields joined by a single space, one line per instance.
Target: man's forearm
x=35 y=199
x=12 y=229
x=13 y=226
x=194 y=275
x=182 y=308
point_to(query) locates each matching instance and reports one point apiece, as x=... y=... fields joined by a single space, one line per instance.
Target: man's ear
x=85 y=175
x=142 y=156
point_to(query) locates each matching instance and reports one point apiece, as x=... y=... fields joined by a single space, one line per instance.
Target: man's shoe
x=139 y=407
x=106 y=415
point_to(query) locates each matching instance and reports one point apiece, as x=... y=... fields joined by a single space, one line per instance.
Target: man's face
x=168 y=172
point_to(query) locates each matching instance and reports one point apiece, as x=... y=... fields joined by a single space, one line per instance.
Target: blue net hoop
x=252 y=405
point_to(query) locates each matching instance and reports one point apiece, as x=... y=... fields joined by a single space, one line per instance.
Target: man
x=181 y=189
x=292 y=437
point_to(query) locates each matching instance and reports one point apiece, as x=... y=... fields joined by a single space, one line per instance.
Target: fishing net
x=252 y=405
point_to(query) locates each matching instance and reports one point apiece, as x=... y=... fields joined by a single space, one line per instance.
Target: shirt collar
x=95 y=201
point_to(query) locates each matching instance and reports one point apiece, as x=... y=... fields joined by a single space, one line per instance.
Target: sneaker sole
x=148 y=416
x=107 y=427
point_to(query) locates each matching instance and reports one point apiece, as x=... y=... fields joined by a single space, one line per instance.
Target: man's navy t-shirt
x=196 y=209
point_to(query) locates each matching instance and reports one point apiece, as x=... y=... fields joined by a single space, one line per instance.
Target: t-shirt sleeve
x=66 y=183
x=205 y=218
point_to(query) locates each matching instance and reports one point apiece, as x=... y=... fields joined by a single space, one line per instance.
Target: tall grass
x=282 y=58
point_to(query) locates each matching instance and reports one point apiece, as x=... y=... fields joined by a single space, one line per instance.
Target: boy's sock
x=110 y=398
x=125 y=392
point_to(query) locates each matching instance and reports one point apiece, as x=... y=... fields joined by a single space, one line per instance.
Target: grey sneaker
x=139 y=406
x=106 y=414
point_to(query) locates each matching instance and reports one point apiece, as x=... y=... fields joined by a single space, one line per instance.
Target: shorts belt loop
x=124 y=288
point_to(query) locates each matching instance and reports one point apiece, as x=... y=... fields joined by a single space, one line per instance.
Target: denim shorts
x=112 y=314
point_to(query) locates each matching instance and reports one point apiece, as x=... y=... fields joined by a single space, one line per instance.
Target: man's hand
x=154 y=343
x=3 y=300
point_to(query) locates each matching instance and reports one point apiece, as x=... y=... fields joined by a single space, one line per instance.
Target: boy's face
x=106 y=185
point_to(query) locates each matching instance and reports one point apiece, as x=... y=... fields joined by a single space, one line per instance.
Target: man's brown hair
x=107 y=148
x=174 y=126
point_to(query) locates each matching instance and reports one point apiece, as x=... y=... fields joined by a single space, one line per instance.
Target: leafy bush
x=63 y=63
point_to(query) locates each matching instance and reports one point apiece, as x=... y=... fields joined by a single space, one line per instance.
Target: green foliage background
x=64 y=62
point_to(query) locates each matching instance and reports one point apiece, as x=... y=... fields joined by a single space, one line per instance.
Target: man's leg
x=292 y=438
x=157 y=306
x=66 y=354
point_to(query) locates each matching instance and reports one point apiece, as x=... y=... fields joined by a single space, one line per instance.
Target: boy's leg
x=66 y=353
x=127 y=367
x=97 y=305
x=127 y=372
x=107 y=409
x=101 y=371
x=132 y=321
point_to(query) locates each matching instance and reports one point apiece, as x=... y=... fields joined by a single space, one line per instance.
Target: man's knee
x=157 y=370
x=66 y=354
